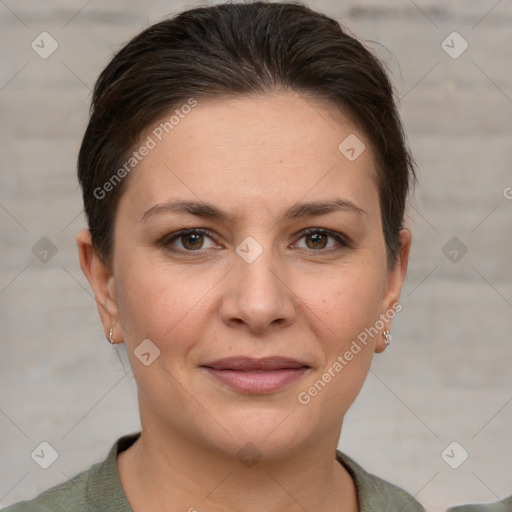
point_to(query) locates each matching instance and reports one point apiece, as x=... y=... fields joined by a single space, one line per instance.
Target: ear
x=396 y=277
x=102 y=283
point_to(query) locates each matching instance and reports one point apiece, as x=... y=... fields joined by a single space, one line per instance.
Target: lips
x=256 y=376
x=248 y=364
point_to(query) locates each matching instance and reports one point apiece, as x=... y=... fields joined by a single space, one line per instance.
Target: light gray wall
x=447 y=377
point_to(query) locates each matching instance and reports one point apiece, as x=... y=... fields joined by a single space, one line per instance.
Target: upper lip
x=248 y=363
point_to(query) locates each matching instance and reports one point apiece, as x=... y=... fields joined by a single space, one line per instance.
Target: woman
x=244 y=175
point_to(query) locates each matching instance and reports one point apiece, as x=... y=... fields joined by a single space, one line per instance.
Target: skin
x=304 y=297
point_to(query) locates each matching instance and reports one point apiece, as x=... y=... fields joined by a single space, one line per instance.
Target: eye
x=322 y=239
x=188 y=240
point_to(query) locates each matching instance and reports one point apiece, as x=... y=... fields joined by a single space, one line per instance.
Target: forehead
x=263 y=149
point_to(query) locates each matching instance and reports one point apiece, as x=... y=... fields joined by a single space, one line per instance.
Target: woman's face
x=288 y=264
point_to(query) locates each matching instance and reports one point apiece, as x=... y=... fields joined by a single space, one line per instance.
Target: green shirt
x=99 y=489
x=504 y=505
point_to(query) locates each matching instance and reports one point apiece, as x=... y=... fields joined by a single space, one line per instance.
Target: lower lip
x=257 y=381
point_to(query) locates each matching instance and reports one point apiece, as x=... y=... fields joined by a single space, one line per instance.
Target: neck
x=163 y=471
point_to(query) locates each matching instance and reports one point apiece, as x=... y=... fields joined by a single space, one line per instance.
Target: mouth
x=256 y=376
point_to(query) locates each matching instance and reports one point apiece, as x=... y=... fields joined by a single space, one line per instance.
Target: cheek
x=340 y=313
x=157 y=301
x=346 y=301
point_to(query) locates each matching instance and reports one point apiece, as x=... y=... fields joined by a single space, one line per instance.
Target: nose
x=258 y=298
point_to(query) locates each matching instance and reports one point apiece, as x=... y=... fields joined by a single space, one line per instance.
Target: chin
x=265 y=433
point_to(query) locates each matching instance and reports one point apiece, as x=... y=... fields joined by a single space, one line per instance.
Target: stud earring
x=110 y=337
x=387 y=338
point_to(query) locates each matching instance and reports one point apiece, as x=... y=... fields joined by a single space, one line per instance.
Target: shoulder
x=374 y=493
x=59 y=498
x=93 y=490
x=504 y=505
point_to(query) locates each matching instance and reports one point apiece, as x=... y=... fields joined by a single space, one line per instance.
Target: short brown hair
x=239 y=49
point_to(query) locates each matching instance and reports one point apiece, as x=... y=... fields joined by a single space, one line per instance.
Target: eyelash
x=167 y=240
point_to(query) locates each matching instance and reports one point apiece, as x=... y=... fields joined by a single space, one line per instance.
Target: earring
x=110 y=337
x=387 y=336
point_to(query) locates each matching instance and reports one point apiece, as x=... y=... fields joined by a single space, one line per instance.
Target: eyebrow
x=297 y=211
